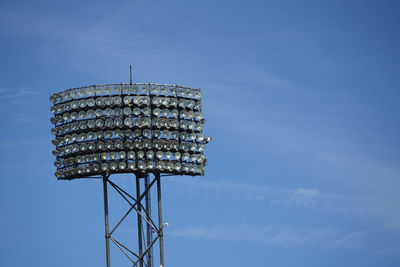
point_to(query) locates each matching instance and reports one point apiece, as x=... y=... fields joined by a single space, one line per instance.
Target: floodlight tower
x=145 y=129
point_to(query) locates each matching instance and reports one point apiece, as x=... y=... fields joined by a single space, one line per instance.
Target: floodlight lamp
x=155 y=90
x=82 y=103
x=140 y=154
x=131 y=165
x=108 y=111
x=177 y=155
x=113 y=166
x=128 y=133
x=145 y=89
x=156 y=111
x=128 y=122
x=185 y=156
x=165 y=133
x=174 y=91
x=169 y=166
x=147 y=111
x=118 y=133
x=159 y=154
x=90 y=91
x=127 y=100
x=107 y=90
x=131 y=155
x=164 y=90
x=90 y=113
x=125 y=89
x=122 y=165
x=91 y=124
x=150 y=154
x=104 y=166
x=99 y=123
x=190 y=114
x=127 y=111
x=165 y=101
x=117 y=100
x=147 y=133
x=178 y=166
x=141 y=165
x=117 y=89
x=128 y=144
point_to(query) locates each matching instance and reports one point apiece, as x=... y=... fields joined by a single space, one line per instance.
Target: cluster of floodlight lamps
x=125 y=128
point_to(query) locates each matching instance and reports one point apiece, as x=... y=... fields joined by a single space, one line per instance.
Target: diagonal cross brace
x=135 y=204
x=122 y=192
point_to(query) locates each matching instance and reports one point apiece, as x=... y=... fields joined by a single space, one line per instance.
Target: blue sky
x=301 y=99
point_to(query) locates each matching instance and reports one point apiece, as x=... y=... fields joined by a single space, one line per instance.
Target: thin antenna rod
x=130 y=70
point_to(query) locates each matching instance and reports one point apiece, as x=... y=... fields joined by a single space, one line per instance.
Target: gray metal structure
x=148 y=130
x=144 y=256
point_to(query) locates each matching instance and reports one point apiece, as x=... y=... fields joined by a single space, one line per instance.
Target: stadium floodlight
x=138 y=128
x=113 y=111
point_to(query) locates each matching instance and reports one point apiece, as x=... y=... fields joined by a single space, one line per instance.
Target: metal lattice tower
x=148 y=130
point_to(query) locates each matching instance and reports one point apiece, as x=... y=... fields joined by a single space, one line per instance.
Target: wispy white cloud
x=21 y=100
x=25 y=119
x=385 y=211
x=278 y=235
x=15 y=95
x=297 y=197
x=328 y=142
x=27 y=143
x=333 y=132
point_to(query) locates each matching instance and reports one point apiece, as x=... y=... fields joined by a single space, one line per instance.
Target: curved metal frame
x=74 y=159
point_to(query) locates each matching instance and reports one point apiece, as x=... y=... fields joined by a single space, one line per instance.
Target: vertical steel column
x=130 y=71
x=107 y=233
x=139 y=218
x=160 y=224
x=149 y=236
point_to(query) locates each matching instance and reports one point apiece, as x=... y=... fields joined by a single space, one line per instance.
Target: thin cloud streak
x=384 y=211
x=297 y=197
x=287 y=236
x=15 y=93
x=352 y=162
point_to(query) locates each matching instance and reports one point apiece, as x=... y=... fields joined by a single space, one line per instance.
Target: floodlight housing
x=128 y=128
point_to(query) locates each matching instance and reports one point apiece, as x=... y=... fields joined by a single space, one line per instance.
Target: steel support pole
x=160 y=223
x=149 y=236
x=107 y=235
x=139 y=219
x=130 y=71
